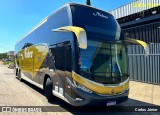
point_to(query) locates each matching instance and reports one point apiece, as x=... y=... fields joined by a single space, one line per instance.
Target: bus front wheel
x=48 y=90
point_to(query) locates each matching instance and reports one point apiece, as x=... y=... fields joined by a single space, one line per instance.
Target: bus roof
x=45 y=19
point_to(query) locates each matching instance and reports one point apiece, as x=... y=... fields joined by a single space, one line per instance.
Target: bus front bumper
x=96 y=99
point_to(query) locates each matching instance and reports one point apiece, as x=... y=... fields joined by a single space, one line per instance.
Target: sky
x=18 y=17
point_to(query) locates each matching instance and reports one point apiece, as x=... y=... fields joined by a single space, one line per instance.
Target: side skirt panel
x=31 y=81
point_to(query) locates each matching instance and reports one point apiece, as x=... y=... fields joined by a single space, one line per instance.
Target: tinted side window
x=63 y=57
x=68 y=54
x=60 y=57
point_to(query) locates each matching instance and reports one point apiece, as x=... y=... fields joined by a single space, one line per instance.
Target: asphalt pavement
x=23 y=94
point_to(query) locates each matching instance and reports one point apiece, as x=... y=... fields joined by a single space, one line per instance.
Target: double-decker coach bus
x=78 y=54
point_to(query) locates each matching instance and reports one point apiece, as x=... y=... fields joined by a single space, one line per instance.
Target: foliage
x=7 y=63
x=3 y=56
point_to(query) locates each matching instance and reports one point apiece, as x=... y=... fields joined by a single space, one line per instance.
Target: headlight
x=81 y=87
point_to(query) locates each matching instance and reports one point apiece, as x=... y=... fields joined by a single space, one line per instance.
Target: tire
x=15 y=71
x=19 y=75
x=48 y=90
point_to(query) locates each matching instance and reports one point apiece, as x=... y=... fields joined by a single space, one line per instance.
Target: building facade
x=141 y=20
x=11 y=55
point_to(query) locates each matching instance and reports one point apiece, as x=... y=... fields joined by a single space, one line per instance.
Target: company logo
x=6 y=109
x=100 y=15
x=27 y=53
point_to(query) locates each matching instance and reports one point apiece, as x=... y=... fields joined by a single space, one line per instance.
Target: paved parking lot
x=145 y=92
x=16 y=93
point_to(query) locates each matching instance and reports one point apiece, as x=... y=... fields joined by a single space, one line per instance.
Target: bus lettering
x=27 y=53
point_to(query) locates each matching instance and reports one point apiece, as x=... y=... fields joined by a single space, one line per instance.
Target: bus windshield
x=104 y=62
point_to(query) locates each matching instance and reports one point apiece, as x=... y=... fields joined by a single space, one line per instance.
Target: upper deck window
x=95 y=21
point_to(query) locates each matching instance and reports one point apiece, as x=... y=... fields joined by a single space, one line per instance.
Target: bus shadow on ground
x=128 y=106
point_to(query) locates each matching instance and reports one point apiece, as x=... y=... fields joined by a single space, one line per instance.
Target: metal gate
x=144 y=68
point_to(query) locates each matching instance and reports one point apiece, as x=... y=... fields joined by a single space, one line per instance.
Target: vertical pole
x=88 y=2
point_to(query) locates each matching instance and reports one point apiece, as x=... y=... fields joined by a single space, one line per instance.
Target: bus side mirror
x=142 y=43
x=79 y=32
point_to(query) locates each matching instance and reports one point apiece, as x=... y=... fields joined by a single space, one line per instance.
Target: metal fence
x=149 y=32
x=144 y=68
x=147 y=28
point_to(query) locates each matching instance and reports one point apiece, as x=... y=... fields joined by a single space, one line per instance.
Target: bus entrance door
x=62 y=62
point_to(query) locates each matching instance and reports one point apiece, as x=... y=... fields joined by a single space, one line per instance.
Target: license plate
x=111 y=103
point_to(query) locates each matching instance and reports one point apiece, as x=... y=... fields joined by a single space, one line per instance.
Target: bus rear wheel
x=48 y=90
x=19 y=75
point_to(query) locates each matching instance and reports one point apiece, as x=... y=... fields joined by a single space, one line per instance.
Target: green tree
x=3 y=55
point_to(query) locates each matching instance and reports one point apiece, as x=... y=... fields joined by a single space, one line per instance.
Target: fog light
x=79 y=99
